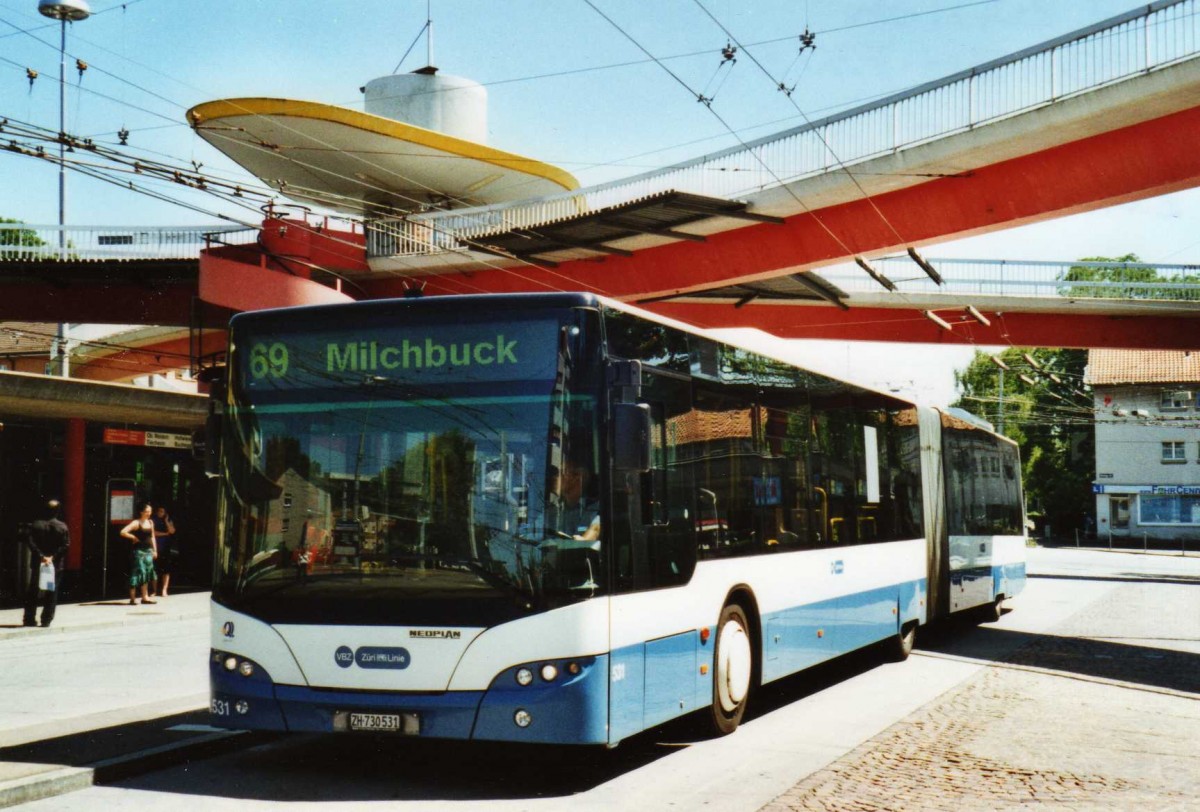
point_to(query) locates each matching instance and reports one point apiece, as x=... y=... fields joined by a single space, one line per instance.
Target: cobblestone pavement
x=1104 y=714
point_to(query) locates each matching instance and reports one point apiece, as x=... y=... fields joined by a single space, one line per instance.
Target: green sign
x=428 y=353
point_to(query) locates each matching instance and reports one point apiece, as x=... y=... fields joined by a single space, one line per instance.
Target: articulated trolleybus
x=555 y=518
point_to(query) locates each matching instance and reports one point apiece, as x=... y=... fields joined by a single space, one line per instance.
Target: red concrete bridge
x=1098 y=117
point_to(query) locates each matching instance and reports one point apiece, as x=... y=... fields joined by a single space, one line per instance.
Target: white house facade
x=1147 y=406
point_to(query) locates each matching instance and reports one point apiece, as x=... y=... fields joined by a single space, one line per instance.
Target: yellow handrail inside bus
x=824 y=512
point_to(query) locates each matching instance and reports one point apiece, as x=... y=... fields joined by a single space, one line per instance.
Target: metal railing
x=1146 y=39
x=24 y=242
x=1139 y=281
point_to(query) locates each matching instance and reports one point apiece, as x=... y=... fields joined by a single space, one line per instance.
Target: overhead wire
x=855 y=26
x=724 y=123
x=867 y=197
x=820 y=222
x=705 y=52
x=171 y=200
x=91 y=171
x=824 y=141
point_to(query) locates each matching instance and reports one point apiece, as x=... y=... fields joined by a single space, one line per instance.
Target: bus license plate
x=406 y=723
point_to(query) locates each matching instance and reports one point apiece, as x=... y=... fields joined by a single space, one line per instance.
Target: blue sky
x=152 y=59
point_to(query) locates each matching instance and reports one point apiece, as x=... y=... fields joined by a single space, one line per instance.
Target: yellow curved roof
x=316 y=151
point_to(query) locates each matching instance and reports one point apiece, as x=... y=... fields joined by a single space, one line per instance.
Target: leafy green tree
x=1040 y=402
x=23 y=237
x=1128 y=280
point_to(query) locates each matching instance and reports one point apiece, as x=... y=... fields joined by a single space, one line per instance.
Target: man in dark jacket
x=48 y=540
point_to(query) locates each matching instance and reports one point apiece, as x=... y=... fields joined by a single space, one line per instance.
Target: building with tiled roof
x=25 y=346
x=1114 y=367
x=1147 y=406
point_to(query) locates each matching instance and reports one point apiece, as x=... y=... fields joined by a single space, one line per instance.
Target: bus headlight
x=231 y=663
x=522 y=718
x=246 y=668
x=549 y=672
x=524 y=677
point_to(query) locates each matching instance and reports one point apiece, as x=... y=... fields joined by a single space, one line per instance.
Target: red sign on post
x=124 y=437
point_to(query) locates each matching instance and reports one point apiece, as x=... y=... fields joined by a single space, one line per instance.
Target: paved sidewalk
x=108 y=689
x=1103 y=713
x=109 y=613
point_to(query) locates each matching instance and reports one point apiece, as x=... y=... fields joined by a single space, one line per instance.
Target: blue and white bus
x=556 y=518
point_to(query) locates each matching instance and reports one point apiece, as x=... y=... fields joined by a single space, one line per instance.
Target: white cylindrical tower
x=425 y=98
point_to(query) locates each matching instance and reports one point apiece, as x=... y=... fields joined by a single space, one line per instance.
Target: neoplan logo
x=371 y=356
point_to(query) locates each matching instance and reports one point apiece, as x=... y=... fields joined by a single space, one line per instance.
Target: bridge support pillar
x=74 y=451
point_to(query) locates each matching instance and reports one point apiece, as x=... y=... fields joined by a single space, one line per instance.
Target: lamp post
x=65 y=11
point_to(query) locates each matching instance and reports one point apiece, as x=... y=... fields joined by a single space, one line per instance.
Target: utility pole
x=1000 y=407
x=65 y=11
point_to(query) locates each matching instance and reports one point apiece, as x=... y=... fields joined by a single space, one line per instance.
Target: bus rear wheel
x=902 y=644
x=992 y=612
x=733 y=667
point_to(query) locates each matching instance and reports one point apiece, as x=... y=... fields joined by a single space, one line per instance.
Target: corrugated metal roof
x=1106 y=367
x=660 y=215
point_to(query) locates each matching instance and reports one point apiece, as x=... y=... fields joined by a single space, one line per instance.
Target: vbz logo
x=344 y=657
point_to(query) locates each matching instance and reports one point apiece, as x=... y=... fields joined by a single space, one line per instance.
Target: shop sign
x=152 y=439
x=1156 y=490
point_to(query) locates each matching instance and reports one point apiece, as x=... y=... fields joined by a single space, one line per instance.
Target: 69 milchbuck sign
x=427 y=354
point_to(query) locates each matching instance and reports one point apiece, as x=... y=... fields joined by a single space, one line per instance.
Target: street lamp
x=65 y=11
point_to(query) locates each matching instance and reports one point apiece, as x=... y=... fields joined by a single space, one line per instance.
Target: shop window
x=1169 y=509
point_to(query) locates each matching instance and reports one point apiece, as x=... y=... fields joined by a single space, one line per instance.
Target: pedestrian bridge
x=1096 y=117
x=760 y=235
x=965 y=301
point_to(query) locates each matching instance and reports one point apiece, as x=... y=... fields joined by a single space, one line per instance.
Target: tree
x=20 y=237
x=1045 y=407
x=1127 y=280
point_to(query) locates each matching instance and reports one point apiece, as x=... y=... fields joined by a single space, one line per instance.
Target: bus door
x=654 y=514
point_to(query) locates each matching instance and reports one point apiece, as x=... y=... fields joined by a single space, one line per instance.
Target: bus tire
x=994 y=611
x=733 y=669
x=902 y=644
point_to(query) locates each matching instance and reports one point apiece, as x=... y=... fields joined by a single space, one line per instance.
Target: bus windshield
x=453 y=498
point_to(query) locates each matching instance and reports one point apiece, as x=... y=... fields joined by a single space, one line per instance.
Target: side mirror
x=206 y=442
x=631 y=437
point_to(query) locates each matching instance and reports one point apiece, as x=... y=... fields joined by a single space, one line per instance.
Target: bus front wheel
x=733 y=666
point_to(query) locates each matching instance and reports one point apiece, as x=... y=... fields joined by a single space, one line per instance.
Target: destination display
x=425 y=354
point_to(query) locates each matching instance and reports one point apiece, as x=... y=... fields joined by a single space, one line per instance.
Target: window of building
x=1168 y=509
x=1172 y=451
x=1175 y=400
